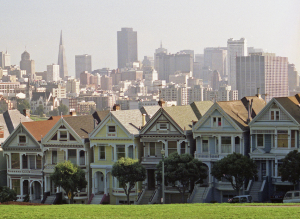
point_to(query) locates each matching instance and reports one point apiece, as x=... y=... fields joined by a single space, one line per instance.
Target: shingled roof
x=82 y=125
x=201 y=107
x=291 y=105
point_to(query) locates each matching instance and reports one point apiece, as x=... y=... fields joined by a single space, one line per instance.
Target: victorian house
x=115 y=137
x=221 y=131
x=274 y=133
x=169 y=129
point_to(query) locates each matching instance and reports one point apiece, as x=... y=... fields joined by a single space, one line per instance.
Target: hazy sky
x=90 y=27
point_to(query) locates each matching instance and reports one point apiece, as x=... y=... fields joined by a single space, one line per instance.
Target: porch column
x=21 y=186
x=178 y=147
x=21 y=161
x=144 y=149
x=289 y=139
x=276 y=168
x=105 y=183
x=166 y=148
x=30 y=191
x=42 y=189
x=57 y=189
x=77 y=156
x=219 y=141
x=93 y=184
x=45 y=180
x=232 y=144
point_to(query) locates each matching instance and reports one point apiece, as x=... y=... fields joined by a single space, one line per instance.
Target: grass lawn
x=152 y=211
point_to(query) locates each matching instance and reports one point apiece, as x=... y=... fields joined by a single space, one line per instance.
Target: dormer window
x=163 y=126
x=274 y=114
x=217 y=122
x=22 y=140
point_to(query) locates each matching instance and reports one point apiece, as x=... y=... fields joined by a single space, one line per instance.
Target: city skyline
x=273 y=27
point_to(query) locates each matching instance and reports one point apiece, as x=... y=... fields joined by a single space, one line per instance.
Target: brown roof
x=39 y=129
x=291 y=105
x=82 y=125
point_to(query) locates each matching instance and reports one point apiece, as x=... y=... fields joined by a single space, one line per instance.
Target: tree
x=7 y=194
x=39 y=111
x=290 y=168
x=63 y=109
x=70 y=177
x=235 y=168
x=128 y=171
x=23 y=104
x=54 y=112
x=183 y=168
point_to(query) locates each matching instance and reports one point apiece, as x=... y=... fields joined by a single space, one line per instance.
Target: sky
x=90 y=27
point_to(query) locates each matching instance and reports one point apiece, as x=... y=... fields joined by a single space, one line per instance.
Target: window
x=293 y=138
x=163 y=126
x=72 y=156
x=152 y=148
x=101 y=153
x=217 y=145
x=82 y=157
x=24 y=162
x=172 y=147
x=274 y=114
x=260 y=140
x=54 y=157
x=204 y=146
x=111 y=128
x=182 y=148
x=16 y=186
x=112 y=153
x=38 y=162
x=63 y=135
x=296 y=194
x=226 y=145
x=120 y=151
x=282 y=138
x=15 y=161
x=217 y=121
x=130 y=151
x=22 y=140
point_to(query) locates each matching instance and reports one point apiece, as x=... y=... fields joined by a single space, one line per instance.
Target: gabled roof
x=36 y=95
x=182 y=115
x=39 y=129
x=201 y=107
x=82 y=125
x=130 y=119
x=12 y=119
x=100 y=115
x=238 y=109
x=291 y=105
x=149 y=111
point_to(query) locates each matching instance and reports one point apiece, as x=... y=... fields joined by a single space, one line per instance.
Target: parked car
x=292 y=197
x=241 y=199
x=277 y=196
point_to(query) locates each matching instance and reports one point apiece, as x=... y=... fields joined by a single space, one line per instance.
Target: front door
x=151 y=179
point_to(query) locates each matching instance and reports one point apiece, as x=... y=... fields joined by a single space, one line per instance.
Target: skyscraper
x=216 y=59
x=28 y=65
x=127 y=47
x=83 y=63
x=62 y=62
x=234 y=48
x=4 y=59
x=52 y=72
x=265 y=71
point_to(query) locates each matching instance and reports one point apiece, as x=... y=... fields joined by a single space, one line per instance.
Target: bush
x=7 y=194
x=26 y=198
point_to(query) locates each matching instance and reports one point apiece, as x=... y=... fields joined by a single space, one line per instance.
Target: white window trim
x=274 y=110
x=159 y=128
x=62 y=139
x=101 y=145
x=263 y=141
x=52 y=157
x=133 y=157
x=212 y=121
x=207 y=146
x=19 y=144
x=107 y=128
x=149 y=149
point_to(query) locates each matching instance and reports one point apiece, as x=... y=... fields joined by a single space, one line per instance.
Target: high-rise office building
x=83 y=63
x=265 y=71
x=293 y=77
x=127 y=47
x=4 y=59
x=62 y=61
x=216 y=59
x=28 y=65
x=52 y=72
x=234 y=48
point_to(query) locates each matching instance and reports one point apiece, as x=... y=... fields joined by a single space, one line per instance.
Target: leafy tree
x=54 y=112
x=63 y=109
x=23 y=104
x=128 y=171
x=290 y=168
x=235 y=168
x=70 y=177
x=39 y=110
x=183 y=168
x=7 y=194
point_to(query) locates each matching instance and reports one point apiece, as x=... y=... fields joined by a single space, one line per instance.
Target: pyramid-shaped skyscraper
x=62 y=62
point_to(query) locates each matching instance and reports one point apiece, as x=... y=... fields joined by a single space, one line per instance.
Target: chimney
x=144 y=120
x=26 y=113
x=116 y=107
x=161 y=103
x=73 y=113
x=258 y=94
x=249 y=110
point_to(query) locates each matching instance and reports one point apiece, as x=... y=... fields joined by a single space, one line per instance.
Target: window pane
x=16 y=186
x=277 y=115
x=182 y=148
x=293 y=137
x=272 y=115
x=111 y=129
x=82 y=157
x=15 y=161
x=63 y=134
x=226 y=145
x=120 y=151
x=130 y=152
x=204 y=146
x=152 y=148
x=260 y=140
x=24 y=162
x=102 y=152
x=172 y=147
x=72 y=156
x=282 y=138
x=22 y=139
x=163 y=126
x=219 y=122
x=38 y=162
x=54 y=157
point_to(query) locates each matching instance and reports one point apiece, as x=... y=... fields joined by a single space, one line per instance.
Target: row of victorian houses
x=210 y=131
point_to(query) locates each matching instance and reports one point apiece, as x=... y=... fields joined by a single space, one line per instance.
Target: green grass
x=38 y=118
x=152 y=211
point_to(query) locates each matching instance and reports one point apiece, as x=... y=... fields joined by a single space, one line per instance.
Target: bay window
x=226 y=145
x=172 y=147
x=15 y=161
x=282 y=139
x=120 y=151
